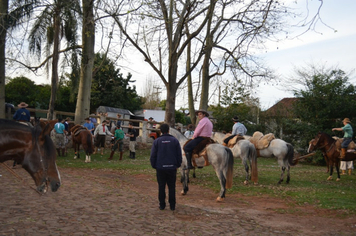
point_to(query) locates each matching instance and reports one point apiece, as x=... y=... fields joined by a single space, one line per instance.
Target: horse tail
x=253 y=157
x=230 y=167
x=290 y=155
x=89 y=142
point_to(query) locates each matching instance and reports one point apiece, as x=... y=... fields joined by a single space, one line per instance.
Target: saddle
x=200 y=150
x=77 y=129
x=234 y=140
x=352 y=145
x=261 y=141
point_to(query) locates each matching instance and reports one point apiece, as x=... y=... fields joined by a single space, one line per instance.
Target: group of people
x=166 y=154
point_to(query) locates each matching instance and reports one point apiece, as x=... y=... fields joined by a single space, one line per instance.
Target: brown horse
x=31 y=147
x=82 y=136
x=326 y=144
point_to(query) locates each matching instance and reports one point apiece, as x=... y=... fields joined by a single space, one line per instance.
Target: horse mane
x=10 y=124
x=329 y=138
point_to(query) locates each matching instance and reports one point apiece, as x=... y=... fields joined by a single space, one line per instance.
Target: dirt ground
x=106 y=202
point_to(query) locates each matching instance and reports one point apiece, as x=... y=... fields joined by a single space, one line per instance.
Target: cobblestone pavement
x=106 y=202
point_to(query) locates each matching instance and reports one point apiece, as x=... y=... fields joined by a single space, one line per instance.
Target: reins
x=331 y=145
x=19 y=177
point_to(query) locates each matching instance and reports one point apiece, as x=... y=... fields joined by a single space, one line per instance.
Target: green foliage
x=22 y=89
x=110 y=88
x=234 y=93
x=180 y=117
x=327 y=99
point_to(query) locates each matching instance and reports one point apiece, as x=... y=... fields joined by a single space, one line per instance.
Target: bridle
x=331 y=146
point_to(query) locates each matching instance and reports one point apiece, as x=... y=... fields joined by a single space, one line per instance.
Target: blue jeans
x=346 y=142
x=192 y=144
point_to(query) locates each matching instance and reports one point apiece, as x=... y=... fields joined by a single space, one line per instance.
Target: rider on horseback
x=237 y=129
x=348 y=133
x=203 y=130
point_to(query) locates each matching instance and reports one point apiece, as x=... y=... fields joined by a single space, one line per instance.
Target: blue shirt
x=238 y=128
x=59 y=128
x=89 y=126
x=22 y=114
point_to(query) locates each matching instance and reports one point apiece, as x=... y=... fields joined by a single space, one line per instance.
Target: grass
x=308 y=185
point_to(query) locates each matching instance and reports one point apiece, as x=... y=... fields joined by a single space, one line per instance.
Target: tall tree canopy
x=110 y=88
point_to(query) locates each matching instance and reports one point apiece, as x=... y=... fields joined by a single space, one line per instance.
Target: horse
x=31 y=147
x=245 y=150
x=219 y=156
x=82 y=136
x=327 y=145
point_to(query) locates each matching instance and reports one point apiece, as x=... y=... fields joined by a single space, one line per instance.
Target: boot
x=121 y=155
x=63 y=152
x=58 y=152
x=188 y=155
x=343 y=172
x=130 y=154
x=89 y=159
x=86 y=159
x=343 y=153
x=111 y=155
x=224 y=144
x=95 y=150
x=102 y=151
x=350 y=171
x=133 y=155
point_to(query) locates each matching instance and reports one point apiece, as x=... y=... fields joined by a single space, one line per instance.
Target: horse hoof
x=245 y=182
x=183 y=193
x=255 y=183
x=219 y=199
x=330 y=178
x=337 y=179
x=75 y=157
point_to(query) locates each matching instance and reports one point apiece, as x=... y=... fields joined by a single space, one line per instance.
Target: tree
x=56 y=21
x=9 y=20
x=22 y=89
x=87 y=62
x=110 y=88
x=328 y=97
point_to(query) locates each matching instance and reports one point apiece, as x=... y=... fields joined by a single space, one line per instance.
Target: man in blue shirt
x=22 y=115
x=166 y=157
x=237 y=129
x=89 y=125
x=60 y=131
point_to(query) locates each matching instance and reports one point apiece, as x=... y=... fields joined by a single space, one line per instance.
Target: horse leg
x=282 y=175
x=194 y=176
x=331 y=173
x=184 y=180
x=75 y=150
x=222 y=186
x=247 y=177
x=338 y=171
x=288 y=174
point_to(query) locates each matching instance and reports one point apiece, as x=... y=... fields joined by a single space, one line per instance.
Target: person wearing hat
x=203 y=129
x=22 y=114
x=118 y=142
x=237 y=129
x=89 y=125
x=118 y=122
x=101 y=130
x=348 y=133
x=132 y=134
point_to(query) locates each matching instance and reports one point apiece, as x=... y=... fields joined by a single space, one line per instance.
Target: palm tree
x=57 y=21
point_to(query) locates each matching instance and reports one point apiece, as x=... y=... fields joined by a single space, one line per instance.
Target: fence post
x=144 y=132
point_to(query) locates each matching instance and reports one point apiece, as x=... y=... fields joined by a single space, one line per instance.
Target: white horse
x=219 y=156
x=245 y=150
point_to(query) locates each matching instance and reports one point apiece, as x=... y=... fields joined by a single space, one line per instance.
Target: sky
x=331 y=47
x=335 y=46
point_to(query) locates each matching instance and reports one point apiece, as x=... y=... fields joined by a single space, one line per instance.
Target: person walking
x=204 y=129
x=22 y=115
x=119 y=142
x=132 y=133
x=348 y=133
x=166 y=157
x=60 y=132
x=237 y=129
x=101 y=131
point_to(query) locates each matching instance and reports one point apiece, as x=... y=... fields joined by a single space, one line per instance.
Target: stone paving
x=105 y=202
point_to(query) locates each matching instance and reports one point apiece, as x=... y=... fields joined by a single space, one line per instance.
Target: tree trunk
x=55 y=59
x=86 y=73
x=190 y=88
x=4 y=6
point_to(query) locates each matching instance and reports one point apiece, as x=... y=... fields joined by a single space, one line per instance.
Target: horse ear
x=46 y=130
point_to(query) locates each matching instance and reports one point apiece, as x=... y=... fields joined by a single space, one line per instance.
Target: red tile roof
x=283 y=108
